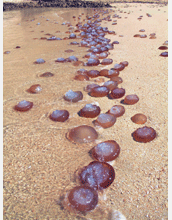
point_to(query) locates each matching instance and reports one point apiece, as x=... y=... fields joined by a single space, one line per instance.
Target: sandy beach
x=40 y=163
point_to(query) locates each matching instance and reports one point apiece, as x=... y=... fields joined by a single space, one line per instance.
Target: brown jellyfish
x=131 y=99
x=72 y=96
x=93 y=62
x=112 y=73
x=81 y=77
x=139 y=118
x=82 y=134
x=104 y=72
x=119 y=67
x=100 y=91
x=59 y=115
x=144 y=134
x=35 y=88
x=39 y=61
x=89 y=87
x=105 y=120
x=110 y=84
x=93 y=73
x=136 y=35
x=117 y=93
x=106 y=151
x=97 y=175
x=90 y=111
x=47 y=74
x=164 y=54
x=116 y=79
x=125 y=63
x=163 y=48
x=106 y=61
x=117 y=110
x=23 y=106
x=83 y=198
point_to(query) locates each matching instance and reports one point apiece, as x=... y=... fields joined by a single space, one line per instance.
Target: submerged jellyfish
x=97 y=175
x=82 y=134
x=105 y=120
x=83 y=198
x=106 y=151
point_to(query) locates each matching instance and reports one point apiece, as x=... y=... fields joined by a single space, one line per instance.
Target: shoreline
x=8 y=5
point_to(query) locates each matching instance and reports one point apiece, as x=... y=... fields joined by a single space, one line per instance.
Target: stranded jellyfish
x=90 y=111
x=69 y=51
x=103 y=55
x=72 y=36
x=6 y=52
x=125 y=63
x=82 y=134
x=144 y=134
x=110 y=84
x=105 y=120
x=139 y=119
x=72 y=96
x=60 y=60
x=23 y=106
x=106 y=151
x=117 y=110
x=143 y=36
x=82 y=71
x=116 y=79
x=72 y=59
x=81 y=77
x=117 y=93
x=131 y=99
x=93 y=73
x=163 y=48
x=93 y=62
x=59 y=115
x=106 y=61
x=119 y=67
x=104 y=72
x=35 y=88
x=100 y=91
x=136 y=35
x=112 y=73
x=83 y=198
x=39 y=61
x=97 y=175
x=47 y=74
x=89 y=87
x=164 y=54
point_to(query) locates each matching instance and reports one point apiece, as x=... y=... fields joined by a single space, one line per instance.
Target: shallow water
x=40 y=164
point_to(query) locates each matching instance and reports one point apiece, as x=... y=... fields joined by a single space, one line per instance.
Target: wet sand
x=39 y=162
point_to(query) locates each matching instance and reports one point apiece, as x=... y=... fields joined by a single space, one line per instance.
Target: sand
x=40 y=164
